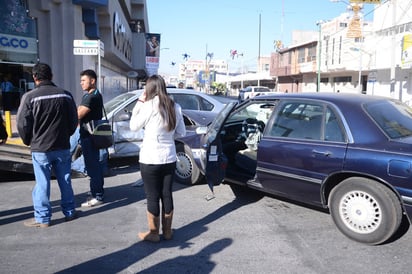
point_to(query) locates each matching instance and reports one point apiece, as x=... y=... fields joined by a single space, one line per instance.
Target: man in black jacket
x=46 y=119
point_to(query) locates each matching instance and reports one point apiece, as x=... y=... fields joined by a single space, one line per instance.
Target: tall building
x=346 y=55
x=45 y=31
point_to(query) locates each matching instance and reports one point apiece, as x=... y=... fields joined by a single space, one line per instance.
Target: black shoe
x=71 y=217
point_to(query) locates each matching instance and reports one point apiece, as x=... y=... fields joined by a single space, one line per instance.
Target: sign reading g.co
x=12 y=43
x=121 y=38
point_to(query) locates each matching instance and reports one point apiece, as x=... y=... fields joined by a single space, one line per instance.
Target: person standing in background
x=162 y=121
x=91 y=108
x=46 y=118
x=6 y=85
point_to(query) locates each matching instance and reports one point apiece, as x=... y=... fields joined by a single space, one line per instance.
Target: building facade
x=43 y=30
x=336 y=61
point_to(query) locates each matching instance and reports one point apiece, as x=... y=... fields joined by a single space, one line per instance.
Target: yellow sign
x=406 y=50
x=365 y=1
x=354 y=29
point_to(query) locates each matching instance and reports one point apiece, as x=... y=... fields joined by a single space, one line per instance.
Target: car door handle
x=324 y=153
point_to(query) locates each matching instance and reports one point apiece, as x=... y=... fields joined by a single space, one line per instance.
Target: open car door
x=214 y=162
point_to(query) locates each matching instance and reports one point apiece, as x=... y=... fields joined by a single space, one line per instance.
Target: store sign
x=121 y=37
x=406 y=56
x=20 y=44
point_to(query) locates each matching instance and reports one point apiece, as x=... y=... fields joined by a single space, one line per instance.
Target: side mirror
x=201 y=130
x=124 y=116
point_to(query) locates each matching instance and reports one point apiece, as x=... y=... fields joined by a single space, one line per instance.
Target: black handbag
x=101 y=132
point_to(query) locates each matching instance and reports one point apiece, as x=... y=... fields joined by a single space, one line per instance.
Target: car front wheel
x=186 y=171
x=365 y=210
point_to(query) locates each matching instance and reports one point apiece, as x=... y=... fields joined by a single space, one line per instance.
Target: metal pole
x=393 y=53
x=360 y=55
x=258 y=69
x=360 y=67
x=99 y=67
x=241 y=78
x=319 y=54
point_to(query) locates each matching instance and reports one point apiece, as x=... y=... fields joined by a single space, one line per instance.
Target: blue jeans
x=93 y=167
x=43 y=163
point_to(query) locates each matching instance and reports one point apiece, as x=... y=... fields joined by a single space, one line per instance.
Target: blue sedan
x=348 y=153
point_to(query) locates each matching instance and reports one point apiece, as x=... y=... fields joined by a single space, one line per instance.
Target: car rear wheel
x=365 y=210
x=186 y=171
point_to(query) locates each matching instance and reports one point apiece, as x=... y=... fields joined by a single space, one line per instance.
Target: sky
x=196 y=28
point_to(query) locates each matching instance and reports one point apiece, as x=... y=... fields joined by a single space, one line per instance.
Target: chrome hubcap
x=360 y=212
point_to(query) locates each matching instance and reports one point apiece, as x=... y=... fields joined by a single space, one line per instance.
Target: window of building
x=342 y=79
x=18 y=28
x=301 y=55
x=311 y=53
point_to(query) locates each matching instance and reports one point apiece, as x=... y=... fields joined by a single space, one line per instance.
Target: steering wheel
x=252 y=125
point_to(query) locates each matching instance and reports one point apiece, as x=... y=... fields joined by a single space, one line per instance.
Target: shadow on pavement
x=198 y=263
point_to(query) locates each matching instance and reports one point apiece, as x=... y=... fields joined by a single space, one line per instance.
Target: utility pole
x=319 y=23
x=258 y=69
x=393 y=47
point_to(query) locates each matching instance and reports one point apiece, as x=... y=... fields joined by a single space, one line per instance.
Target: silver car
x=119 y=109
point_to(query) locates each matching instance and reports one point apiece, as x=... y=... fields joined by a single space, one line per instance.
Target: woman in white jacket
x=162 y=121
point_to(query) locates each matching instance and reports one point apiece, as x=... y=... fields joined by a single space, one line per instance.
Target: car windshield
x=395 y=121
x=214 y=127
x=117 y=101
x=262 y=90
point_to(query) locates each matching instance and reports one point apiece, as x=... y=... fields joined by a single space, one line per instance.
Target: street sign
x=87 y=44
x=85 y=51
x=88 y=47
x=372 y=76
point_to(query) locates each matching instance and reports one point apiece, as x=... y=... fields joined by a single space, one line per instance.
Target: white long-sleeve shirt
x=158 y=146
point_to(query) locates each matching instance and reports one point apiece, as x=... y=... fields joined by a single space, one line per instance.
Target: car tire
x=365 y=210
x=186 y=171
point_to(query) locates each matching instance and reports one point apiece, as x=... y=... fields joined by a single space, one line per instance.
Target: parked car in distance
x=252 y=91
x=199 y=109
x=348 y=153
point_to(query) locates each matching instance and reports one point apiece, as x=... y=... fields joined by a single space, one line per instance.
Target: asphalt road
x=240 y=231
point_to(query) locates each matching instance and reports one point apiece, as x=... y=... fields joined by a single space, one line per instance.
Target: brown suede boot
x=153 y=234
x=167 y=225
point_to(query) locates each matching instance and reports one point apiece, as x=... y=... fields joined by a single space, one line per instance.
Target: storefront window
x=18 y=35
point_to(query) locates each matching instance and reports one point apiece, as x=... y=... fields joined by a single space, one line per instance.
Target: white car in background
x=252 y=91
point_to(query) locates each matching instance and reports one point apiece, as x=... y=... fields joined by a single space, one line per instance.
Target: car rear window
x=393 y=117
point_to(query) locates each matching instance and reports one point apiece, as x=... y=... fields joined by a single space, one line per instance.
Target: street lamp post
x=355 y=31
x=241 y=71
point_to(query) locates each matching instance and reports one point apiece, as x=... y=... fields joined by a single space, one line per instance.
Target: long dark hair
x=155 y=85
